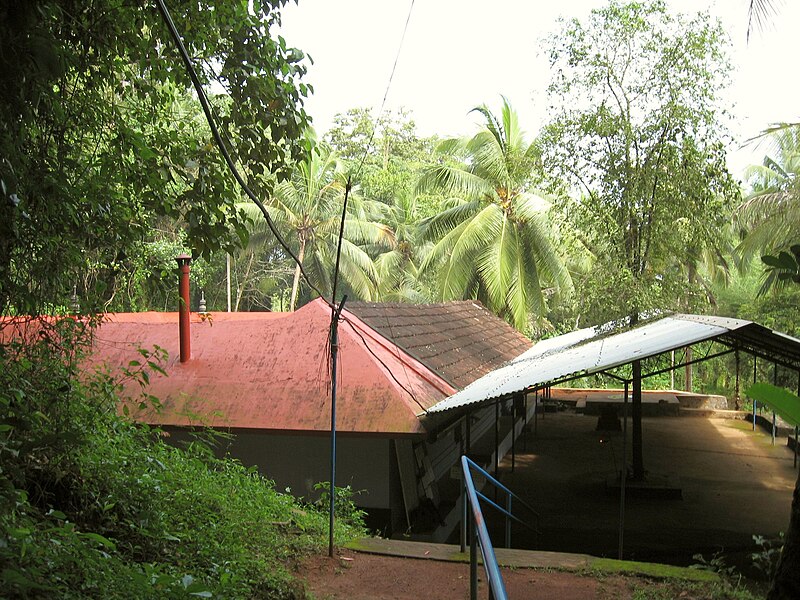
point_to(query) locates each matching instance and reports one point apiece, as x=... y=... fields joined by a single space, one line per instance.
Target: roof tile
x=460 y=340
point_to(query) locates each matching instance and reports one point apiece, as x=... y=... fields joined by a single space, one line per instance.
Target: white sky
x=458 y=54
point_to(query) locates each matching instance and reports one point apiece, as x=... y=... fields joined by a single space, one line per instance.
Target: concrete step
x=532 y=559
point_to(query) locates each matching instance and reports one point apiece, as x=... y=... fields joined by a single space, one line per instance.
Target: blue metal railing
x=480 y=534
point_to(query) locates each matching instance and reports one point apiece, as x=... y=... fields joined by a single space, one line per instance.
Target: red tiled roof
x=270 y=371
x=461 y=341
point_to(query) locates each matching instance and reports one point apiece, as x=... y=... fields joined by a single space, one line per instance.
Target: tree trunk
x=786 y=584
x=296 y=282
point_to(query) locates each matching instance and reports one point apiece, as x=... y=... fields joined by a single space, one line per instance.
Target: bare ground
x=358 y=576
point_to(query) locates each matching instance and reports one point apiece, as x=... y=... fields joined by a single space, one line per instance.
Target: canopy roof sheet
x=594 y=350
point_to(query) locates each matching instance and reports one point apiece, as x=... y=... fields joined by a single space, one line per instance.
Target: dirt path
x=357 y=576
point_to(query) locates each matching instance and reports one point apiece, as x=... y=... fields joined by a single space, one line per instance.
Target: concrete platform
x=588 y=399
x=667 y=406
x=655 y=485
x=522 y=559
x=734 y=484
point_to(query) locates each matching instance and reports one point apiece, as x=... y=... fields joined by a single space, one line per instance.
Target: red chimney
x=184 y=260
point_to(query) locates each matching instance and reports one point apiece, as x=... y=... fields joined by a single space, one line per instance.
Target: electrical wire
x=367 y=149
x=162 y=9
x=384 y=365
x=239 y=179
x=386 y=92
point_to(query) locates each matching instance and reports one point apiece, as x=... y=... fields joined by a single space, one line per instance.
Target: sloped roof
x=588 y=351
x=458 y=340
x=270 y=371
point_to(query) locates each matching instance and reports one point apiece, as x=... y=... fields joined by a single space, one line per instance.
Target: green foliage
x=492 y=242
x=769 y=216
x=637 y=132
x=95 y=507
x=777 y=311
x=385 y=153
x=782 y=268
x=344 y=507
x=308 y=207
x=99 y=134
x=766 y=559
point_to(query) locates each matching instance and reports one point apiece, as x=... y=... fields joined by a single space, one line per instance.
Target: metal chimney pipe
x=184 y=260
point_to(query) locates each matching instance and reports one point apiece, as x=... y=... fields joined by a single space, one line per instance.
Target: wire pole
x=336 y=312
x=334 y=354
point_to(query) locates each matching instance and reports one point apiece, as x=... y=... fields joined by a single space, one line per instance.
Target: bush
x=96 y=507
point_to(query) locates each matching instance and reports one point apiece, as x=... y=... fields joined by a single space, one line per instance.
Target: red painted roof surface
x=461 y=341
x=270 y=371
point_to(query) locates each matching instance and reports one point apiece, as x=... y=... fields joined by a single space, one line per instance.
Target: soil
x=358 y=576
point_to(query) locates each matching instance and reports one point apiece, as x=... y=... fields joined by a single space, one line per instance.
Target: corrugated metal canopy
x=589 y=351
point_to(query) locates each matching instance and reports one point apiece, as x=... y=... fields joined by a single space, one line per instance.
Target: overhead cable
x=221 y=144
x=386 y=92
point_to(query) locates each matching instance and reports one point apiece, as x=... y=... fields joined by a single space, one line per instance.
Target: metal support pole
x=464 y=446
x=464 y=513
x=623 y=476
x=737 y=390
x=473 y=562
x=672 y=370
x=536 y=413
x=525 y=426
x=469 y=434
x=755 y=402
x=228 y=278
x=513 y=433
x=774 y=382
x=508 y=521
x=496 y=437
x=337 y=311
x=773 y=427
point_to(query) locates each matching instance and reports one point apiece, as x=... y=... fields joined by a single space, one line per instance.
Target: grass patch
x=654 y=570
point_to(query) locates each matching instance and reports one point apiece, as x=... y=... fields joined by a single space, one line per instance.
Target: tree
x=770 y=215
x=492 y=242
x=385 y=152
x=94 y=140
x=308 y=207
x=637 y=132
x=398 y=267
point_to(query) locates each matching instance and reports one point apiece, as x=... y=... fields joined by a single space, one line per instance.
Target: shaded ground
x=734 y=484
x=359 y=576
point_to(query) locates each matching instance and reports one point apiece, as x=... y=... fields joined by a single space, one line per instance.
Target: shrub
x=96 y=507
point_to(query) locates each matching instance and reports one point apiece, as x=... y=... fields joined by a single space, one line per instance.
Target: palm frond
x=439 y=225
x=358 y=270
x=495 y=263
x=452 y=180
x=759 y=14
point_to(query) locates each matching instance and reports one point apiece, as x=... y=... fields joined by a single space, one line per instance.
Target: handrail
x=505 y=511
x=499 y=508
x=496 y=483
x=497 y=588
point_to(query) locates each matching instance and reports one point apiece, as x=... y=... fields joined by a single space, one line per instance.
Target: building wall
x=297 y=462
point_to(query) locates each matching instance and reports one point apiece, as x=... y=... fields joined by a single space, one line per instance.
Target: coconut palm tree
x=492 y=242
x=398 y=267
x=308 y=208
x=770 y=215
